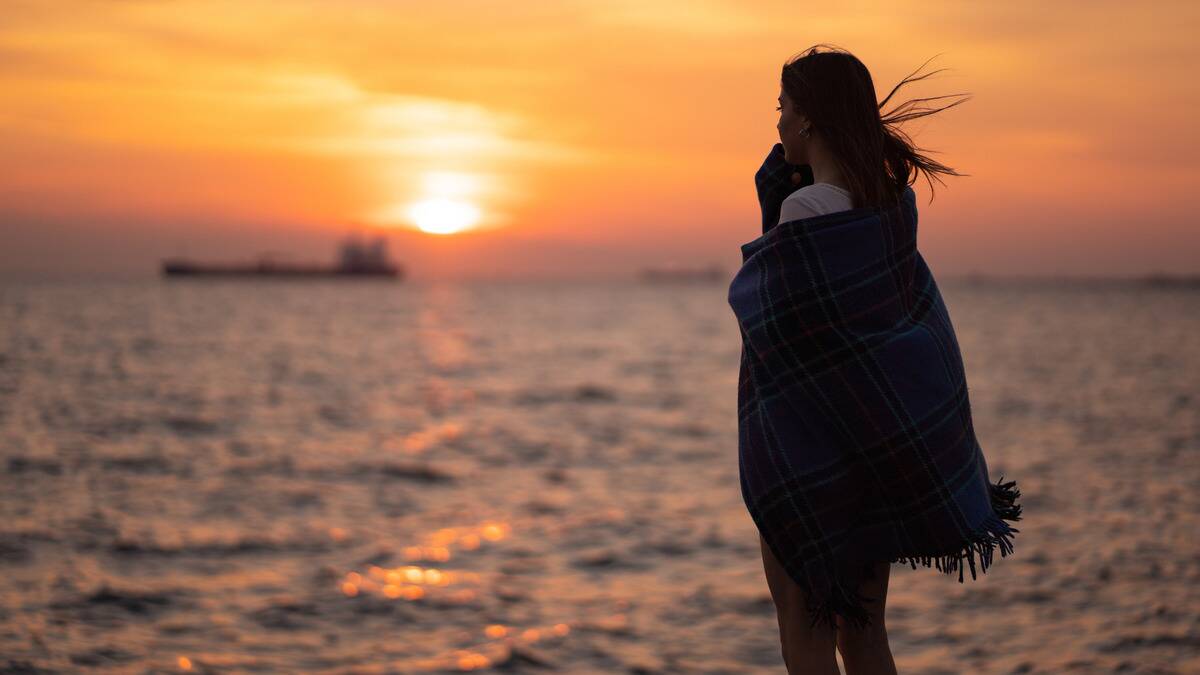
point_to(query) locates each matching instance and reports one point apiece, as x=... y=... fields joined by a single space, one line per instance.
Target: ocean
x=375 y=477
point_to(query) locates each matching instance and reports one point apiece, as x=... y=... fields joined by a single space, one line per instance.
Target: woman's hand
x=774 y=181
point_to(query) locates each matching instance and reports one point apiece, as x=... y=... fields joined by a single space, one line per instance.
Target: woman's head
x=827 y=99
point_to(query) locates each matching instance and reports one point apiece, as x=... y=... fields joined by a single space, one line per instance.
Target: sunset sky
x=590 y=138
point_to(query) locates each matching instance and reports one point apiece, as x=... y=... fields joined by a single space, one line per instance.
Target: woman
x=856 y=445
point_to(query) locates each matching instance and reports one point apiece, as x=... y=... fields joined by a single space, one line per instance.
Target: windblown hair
x=834 y=90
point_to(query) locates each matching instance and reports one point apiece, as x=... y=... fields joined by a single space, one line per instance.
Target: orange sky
x=593 y=137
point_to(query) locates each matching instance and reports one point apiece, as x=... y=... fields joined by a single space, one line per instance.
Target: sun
x=441 y=202
x=442 y=215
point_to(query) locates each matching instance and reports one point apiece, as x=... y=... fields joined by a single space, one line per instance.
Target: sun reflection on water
x=414 y=582
x=503 y=644
x=417 y=582
x=420 y=441
x=422 y=578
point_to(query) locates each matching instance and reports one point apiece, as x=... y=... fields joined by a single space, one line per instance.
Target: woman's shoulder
x=820 y=197
x=819 y=191
x=814 y=200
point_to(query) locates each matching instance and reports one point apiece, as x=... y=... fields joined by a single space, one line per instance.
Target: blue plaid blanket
x=855 y=439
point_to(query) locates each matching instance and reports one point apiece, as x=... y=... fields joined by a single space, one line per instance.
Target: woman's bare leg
x=866 y=651
x=806 y=650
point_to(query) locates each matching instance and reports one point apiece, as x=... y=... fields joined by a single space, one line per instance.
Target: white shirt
x=815 y=200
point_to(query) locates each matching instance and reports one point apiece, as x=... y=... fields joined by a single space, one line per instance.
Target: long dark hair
x=877 y=159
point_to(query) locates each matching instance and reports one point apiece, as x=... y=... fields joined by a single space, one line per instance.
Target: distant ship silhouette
x=357 y=260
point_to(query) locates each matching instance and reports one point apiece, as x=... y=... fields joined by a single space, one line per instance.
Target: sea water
x=366 y=476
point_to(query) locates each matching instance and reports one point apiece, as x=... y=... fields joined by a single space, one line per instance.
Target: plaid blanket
x=856 y=444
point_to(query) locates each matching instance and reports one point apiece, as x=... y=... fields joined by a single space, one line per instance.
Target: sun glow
x=442 y=215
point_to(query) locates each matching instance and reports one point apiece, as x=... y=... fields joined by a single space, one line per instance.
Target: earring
x=805 y=132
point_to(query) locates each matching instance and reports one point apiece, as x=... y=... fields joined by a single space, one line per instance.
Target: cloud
x=678 y=16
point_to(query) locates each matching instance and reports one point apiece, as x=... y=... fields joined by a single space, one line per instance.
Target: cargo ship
x=356 y=259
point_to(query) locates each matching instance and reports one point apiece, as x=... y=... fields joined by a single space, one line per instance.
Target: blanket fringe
x=993 y=533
